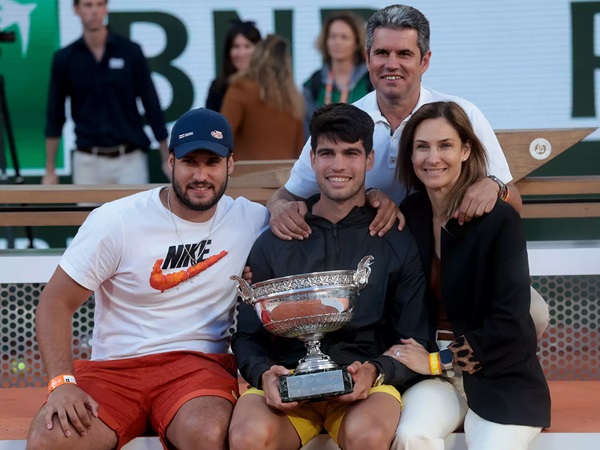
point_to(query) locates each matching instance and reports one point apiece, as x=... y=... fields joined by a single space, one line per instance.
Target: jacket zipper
x=337 y=245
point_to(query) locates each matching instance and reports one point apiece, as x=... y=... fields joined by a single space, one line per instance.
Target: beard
x=200 y=206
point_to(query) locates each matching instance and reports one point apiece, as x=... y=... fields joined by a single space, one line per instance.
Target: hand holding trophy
x=306 y=307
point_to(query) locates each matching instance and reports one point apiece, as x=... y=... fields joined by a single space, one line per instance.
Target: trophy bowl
x=307 y=306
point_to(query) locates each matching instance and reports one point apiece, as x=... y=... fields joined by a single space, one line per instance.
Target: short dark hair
x=341 y=122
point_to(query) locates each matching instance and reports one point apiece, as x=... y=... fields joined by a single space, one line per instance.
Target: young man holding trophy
x=357 y=404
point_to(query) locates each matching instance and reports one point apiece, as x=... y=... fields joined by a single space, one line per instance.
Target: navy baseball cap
x=201 y=129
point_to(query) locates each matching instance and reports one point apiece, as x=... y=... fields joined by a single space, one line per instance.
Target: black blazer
x=486 y=295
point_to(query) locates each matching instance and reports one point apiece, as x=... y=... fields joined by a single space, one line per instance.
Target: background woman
x=240 y=42
x=344 y=76
x=264 y=106
x=480 y=294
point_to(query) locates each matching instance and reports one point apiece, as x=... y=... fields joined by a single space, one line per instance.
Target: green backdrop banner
x=25 y=66
x=524 y=64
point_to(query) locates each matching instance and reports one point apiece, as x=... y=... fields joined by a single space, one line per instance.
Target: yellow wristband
x=435 y=364
x=59 y=381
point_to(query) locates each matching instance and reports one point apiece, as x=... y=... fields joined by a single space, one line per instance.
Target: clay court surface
x=574 y=408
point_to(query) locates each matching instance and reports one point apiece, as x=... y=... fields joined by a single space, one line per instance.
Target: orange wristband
x=59 y=381
x=434 y=364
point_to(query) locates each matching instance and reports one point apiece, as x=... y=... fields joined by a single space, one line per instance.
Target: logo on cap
x=184 y=135
x=216 y=134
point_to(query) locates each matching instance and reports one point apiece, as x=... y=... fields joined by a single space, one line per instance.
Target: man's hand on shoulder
x=479 y=199
x=72 y=406
x=270 y=386
x=287 y=219
x=387 y=213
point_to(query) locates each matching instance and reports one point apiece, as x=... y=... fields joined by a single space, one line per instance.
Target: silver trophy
x=306 y=307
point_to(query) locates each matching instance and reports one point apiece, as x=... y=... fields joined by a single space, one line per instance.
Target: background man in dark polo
x=103 y=74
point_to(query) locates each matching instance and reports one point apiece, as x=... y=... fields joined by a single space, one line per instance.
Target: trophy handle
x=244 y=290
x=361 y=276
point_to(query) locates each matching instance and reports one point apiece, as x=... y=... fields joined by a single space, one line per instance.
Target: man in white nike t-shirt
x=158 y=263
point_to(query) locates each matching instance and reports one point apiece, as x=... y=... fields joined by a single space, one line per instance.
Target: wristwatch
x=379 y=380
x=503 y=189
x=380 y=377
x=446 y=359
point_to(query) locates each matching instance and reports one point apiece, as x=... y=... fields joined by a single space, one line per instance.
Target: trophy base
x=315 y=385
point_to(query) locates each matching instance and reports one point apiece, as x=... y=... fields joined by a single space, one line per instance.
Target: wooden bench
x=257 y=180
x=575 y=419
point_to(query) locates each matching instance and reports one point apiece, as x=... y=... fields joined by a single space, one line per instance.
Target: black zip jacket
x=389 y=308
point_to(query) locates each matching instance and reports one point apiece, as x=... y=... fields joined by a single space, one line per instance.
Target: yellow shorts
x=309 y=419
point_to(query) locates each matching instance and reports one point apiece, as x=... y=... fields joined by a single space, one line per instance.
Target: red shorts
x=138 y=395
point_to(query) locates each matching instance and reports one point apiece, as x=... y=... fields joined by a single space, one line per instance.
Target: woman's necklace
x=329 y=90
x=185 y=247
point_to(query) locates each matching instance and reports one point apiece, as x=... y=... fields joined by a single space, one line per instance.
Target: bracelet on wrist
x=434 y=364
x=372 y=189
x=59 y=381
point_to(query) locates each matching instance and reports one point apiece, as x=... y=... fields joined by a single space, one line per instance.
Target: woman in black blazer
x=485 y=374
